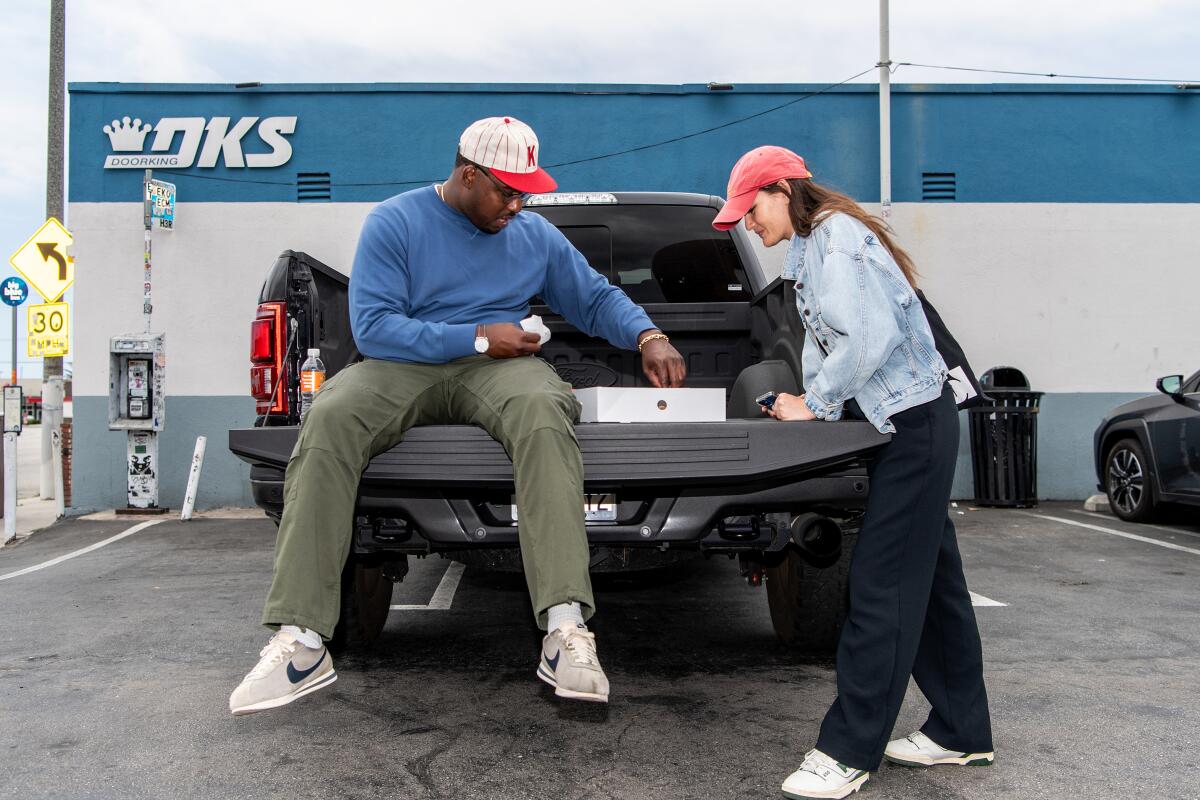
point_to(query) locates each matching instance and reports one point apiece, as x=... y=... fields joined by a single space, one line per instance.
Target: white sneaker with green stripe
x=821 y=776
x=918 y=750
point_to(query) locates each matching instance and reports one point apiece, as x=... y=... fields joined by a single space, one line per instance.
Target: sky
x=551 y=41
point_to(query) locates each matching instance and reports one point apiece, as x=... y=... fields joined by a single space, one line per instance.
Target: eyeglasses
x=507 y=193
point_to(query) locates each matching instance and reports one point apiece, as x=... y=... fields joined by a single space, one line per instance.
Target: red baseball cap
x=761 y=167
x=509 y=149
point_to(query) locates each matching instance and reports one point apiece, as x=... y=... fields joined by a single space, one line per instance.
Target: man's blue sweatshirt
x=424 y=276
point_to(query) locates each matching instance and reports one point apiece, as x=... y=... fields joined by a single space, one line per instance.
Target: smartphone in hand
x=767 y=399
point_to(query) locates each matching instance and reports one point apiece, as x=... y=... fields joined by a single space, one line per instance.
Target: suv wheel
x=808 y=605
x=1126 y=482
x=366 y=601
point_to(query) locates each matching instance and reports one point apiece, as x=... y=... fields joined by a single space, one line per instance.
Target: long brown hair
x=810 y=200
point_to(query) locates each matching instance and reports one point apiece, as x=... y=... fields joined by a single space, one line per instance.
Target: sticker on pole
x=160 y=196
x=49 y=330
x=14 y=291
x=43 y=260
x=13 y=400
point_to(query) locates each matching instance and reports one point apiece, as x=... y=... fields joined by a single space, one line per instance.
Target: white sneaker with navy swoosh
x=570 y=664
x=821 y=776
x=286 y=670
x=918 y=750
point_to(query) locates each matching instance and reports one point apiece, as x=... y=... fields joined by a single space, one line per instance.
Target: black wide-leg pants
x=910 y=613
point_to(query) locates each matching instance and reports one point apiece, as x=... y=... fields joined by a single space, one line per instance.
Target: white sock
x=310 y=639
x=564 y=613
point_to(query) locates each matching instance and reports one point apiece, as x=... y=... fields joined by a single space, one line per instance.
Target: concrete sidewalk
x=33 y=514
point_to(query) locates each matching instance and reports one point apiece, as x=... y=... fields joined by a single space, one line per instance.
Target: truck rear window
x=656 y=254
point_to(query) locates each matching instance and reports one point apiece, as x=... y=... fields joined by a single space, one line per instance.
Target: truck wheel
x=366 y=600
x=808 y=605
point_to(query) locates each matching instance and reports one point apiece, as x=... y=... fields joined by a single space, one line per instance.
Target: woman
x=869 y=352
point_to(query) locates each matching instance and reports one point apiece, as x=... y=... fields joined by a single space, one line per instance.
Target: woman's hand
x=789 y=406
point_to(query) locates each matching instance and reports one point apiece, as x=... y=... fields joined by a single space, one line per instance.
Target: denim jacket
x=867 y=336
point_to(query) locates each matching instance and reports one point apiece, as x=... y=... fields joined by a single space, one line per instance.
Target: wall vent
x=938 y=186
x=312 y=187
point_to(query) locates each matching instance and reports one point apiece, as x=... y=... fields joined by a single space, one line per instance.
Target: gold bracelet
x=652 y=337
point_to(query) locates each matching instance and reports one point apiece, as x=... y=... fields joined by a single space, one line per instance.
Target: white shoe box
x=622 y=404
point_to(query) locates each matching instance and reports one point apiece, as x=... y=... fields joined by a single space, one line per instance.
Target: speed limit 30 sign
x=49 y=330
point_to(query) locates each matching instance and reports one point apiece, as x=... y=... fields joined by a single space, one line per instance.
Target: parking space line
x=141 y=526
x=1114 y=532
x=1163 y=528
x=443 y=596
x=979 y=601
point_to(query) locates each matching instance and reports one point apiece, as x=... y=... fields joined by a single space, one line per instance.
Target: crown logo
x=127 y=137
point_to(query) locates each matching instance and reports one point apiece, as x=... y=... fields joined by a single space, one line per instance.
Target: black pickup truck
x=782 y=496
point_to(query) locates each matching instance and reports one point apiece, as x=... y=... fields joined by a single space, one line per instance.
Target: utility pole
x=885 y=114
x=52 y=367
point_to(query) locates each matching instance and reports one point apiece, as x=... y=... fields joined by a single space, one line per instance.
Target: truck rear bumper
x=425 y=521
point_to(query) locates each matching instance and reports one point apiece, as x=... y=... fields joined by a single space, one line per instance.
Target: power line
x=226 y=180
x=1040 y=74
x=589 y=159
x=723 y=125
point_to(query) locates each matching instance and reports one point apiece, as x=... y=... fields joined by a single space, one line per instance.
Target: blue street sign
x=14 y=291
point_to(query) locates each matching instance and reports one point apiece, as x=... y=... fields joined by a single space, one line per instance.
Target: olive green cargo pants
x=365 y=409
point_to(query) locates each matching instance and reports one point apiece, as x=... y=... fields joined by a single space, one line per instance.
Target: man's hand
x=789 y=406
x=506 y=340
x=662 y=363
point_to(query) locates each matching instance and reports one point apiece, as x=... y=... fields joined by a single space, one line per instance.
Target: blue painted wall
x=98 y=477
x=1066 y=424
x=1006 y=143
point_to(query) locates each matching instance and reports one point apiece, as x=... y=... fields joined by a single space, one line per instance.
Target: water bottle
x=312 y=375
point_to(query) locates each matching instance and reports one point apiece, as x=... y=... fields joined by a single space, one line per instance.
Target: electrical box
x=136 y=380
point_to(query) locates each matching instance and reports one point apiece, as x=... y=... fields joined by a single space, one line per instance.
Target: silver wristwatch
x=481 y=340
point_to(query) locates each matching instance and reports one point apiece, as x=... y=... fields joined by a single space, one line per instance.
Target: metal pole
x=885 y=115
x=52 y=414
x=13 y=382
x=10 y=487
x=189 y=499
x=60 y=502
x=147 y=307
x=52 y=367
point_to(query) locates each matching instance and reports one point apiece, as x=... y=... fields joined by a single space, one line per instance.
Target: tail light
x=268 y=373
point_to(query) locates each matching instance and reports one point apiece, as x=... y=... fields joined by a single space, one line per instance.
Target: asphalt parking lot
x=116 y=666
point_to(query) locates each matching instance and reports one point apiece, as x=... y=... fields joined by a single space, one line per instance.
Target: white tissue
x=534 y=324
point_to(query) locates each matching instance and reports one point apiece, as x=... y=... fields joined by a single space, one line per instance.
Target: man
x=441 y=279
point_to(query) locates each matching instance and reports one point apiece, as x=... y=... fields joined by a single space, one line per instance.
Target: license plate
x=596 y=508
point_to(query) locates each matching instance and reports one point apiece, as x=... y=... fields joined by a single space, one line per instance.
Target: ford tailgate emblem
x=582 y=375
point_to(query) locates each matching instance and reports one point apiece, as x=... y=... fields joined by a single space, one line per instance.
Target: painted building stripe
x=1115 y=532
x=141 y=526
x=979 y=601
x=443 y=596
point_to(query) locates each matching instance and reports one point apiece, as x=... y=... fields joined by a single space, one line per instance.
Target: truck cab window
x=657 y=254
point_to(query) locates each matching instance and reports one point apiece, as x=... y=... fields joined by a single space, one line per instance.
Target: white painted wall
x=206 y=279
x=1083 y=298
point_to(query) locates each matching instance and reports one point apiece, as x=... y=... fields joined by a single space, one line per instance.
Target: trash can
x=1004 y=440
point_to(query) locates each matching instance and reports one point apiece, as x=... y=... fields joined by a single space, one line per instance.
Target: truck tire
x=366 y=601
x=808 y=605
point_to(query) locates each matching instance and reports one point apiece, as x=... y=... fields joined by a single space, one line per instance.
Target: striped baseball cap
x=508 y=148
